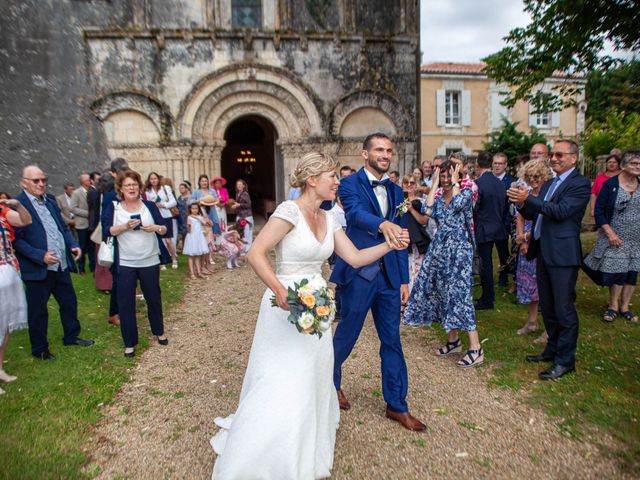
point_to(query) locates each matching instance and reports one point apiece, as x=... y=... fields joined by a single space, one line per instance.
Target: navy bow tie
x=377 y=183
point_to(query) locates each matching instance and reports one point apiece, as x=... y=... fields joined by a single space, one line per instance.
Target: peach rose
x=308 y=300
x=323 y=310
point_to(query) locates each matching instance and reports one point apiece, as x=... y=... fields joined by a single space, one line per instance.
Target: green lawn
x=605 y=390
x=47 y=414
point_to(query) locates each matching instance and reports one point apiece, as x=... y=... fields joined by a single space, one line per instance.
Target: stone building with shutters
x=239 y=88
x=461 y=106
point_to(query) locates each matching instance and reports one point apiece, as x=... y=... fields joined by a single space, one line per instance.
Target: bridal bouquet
x=311 y=306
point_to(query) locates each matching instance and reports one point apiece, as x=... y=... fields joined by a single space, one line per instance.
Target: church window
x=246 y=13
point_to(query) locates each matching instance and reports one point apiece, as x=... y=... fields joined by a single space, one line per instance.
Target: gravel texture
x=161 y=421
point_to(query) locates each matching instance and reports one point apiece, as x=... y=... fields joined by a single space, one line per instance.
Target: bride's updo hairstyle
x=311 y=165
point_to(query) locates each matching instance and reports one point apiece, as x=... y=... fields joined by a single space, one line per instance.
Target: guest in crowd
x=102 y=279
x=419 y=240
x=539 y=151
x=394 y=176
x=164 y=199
x=5 y=196
x=489 y=224
x=418 y=177
x=45 y=250
x=294 y=192
x=175 y=213
x=345 y=171
x=499 y=168
x=203 y=188
x=442 y=290
x=93 y=205
x=195 y=242
x=137 y=227
x=184 y=200
x=520 y=161
x=612 y=168
x=13 y=305
x=242 y=208
x=427 y=172
x=461 y=159
x=64 y=205
x=557 y=217
x=222 y=195
x=80 y=210
x=534 y=174
x=232 y=244
x=212 y=230
x=617 y=250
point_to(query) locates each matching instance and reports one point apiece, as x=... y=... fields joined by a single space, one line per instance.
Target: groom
x=369 y=200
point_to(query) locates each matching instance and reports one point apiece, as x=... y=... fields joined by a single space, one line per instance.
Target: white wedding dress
x=285 y=425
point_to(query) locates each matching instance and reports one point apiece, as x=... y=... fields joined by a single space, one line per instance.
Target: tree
x=618 y=130
x=512 y=141
x=617 y=88
x=567 y=36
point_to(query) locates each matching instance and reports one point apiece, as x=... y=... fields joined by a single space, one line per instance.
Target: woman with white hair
x=286 y=422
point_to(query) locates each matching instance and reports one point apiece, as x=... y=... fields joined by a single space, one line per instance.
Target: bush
x=618 y=130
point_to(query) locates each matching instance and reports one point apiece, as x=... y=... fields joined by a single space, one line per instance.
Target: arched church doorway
x=250 y=154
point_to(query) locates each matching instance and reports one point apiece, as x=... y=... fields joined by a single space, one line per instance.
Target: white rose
x=305 y=320
x=306 y=290
x=316 y=283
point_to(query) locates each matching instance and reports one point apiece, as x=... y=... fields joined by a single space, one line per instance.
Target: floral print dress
x=442 y=290
x=526 y=274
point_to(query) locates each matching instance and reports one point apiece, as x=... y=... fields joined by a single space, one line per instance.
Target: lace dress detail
x=285 y=425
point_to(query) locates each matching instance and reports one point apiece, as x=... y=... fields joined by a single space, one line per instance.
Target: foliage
x=567 y=36
x=618 y=130
x=47 y=414
x=617 y=88
x=512 y=141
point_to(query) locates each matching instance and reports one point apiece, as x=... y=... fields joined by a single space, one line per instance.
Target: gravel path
x=160 y=423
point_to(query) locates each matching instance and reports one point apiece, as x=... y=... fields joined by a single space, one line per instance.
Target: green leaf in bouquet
x=321 y=301
x=303 y=282
x=292 y=318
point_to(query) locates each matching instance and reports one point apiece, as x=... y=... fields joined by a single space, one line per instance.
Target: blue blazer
x=559 y=243
x=606 y=201
x=107 y=222
x=363 y=216
x=31 y=241
x=489 y=211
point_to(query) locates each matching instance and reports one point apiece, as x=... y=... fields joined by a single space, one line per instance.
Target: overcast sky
x=466 y=30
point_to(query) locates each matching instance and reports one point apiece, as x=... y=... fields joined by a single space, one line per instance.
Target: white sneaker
x=174 y=264
x=163 y=267
x=230 y=264
x=2 y=392
x=236 y=263
x=5 y=377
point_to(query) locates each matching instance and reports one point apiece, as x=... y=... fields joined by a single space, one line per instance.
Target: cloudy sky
x=466 y=30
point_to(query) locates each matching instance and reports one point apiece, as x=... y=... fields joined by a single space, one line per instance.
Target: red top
x=7 y=255
x=598 y=182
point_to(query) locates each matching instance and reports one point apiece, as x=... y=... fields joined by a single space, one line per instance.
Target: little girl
x=195 y=243
x=231 y=243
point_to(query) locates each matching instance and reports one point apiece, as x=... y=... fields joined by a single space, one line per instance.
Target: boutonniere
x=401 y=209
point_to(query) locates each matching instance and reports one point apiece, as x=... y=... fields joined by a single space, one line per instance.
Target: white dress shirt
x=380 y=192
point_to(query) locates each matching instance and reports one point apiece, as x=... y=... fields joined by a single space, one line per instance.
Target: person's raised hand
x=517 y=195
x=392 y=234
x=13 y=203
x=435 y=178
x=455 y=174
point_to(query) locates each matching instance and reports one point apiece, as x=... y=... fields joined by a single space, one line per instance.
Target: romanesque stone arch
x=383 y=101
x=157 y=111
x=238 y=90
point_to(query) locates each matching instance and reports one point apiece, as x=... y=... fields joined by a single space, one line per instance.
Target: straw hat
x=208 y=201
x=215 y=179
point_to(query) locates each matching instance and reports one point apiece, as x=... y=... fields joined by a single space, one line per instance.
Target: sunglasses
x=559 y=155
x=42 y=180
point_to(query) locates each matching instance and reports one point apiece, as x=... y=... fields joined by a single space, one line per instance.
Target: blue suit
x=374 y=286
x=31 y=246
x=559 y=256
x=488 y=221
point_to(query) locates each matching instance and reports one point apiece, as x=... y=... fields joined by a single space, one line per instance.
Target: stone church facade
x=239 y=88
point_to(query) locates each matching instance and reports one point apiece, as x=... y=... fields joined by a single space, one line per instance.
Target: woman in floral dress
x=416 y=222
x=534 y=174
x=442 y=291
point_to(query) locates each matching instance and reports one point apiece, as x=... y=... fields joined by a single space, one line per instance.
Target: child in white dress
x=195 y=242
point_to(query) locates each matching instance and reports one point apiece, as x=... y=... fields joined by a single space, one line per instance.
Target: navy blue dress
x=442 y=290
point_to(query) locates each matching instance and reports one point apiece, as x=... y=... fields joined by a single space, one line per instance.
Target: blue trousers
x=127 y=279
x=557 y=291
x=38 y=292
x=88 y=249
x=358 y=297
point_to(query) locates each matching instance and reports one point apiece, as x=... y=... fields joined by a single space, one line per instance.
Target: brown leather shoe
x=342 y=400
x=407 y=420
x=114 y=320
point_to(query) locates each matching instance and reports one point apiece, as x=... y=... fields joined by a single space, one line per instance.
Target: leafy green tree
x=617 y=88
x=512 y=141
x=567 y=36
x=618 y=130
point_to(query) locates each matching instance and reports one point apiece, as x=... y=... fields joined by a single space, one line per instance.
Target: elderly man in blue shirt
x=46 y=251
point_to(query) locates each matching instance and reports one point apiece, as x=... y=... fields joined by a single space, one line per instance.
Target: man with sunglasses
x=557 y=217
x=46 y=251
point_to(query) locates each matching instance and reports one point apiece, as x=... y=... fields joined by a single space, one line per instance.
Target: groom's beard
x=375 y=166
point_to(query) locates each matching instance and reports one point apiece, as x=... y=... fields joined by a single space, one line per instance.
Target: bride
x=285 y=424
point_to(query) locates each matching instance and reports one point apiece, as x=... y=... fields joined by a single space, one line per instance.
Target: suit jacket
x=559 y=243
x=31 y=241
x=93 y=202
x=80 y=208
x=65 y=209
x=363 y=216
x=489 y=211
x=507 y=180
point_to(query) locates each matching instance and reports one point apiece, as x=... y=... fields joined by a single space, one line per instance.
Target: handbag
x=476 y=262
x=106 y=252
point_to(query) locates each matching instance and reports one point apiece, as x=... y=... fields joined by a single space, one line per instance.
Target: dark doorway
x=249 y=155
